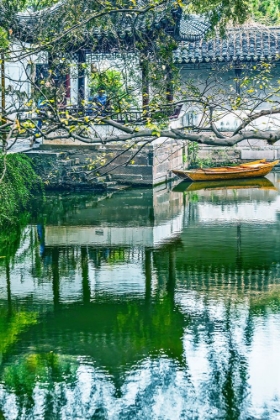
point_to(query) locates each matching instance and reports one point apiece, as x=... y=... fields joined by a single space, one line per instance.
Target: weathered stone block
x=73 y=167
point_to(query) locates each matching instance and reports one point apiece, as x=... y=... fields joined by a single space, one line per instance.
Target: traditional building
x=225 y=62
x=240 y=51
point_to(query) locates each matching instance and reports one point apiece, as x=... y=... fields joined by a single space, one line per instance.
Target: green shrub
x=18 y=182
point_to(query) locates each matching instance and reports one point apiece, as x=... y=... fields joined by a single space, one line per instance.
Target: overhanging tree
x=145 y=35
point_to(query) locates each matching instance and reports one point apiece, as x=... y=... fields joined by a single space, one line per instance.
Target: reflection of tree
x=55 y=275
x=125 y=329
x=12 y=325
x=10 y=240
x=239 y=248
x=85 y=275
x=88 y=209
x=228 y=343
x=63 y=206
x=12 y=320
x=235 y=386
x=45 y=369
x=117 y=333
x=8 y=279
x=148 y=275
x=172 y=275
x=265 y=304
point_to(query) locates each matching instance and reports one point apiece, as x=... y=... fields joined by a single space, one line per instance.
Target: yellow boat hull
x=251 y=170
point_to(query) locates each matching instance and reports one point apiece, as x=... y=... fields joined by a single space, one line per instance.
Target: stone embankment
x=116 y=166
x=99 y=167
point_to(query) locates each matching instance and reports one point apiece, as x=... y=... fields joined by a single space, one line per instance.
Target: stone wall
x=100 y=167
x=238 y=153
x=217 y=155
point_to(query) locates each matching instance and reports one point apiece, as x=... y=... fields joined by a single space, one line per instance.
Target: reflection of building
x=135 y=329
x=255 y=204
x=232 y=201
x=133 y=218
x=231 y=237
x=104 y=287
x=103 y=233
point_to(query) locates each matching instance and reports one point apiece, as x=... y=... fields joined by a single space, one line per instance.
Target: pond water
x=145 y=304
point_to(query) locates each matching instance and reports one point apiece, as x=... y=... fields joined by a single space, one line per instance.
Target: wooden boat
x=254 y=169
x=232 y=184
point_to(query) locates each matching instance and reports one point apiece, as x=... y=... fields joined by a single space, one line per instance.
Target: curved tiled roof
x=254 y=43
x=182 y=27
x=192 y=28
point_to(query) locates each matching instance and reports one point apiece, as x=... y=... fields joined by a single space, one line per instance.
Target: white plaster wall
x=114 y=236
x=17 y=72
x=225 y=80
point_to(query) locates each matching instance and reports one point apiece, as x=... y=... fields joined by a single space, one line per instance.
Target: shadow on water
x=144 y=304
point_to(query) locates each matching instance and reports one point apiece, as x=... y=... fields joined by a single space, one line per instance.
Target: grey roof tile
x=242 y=43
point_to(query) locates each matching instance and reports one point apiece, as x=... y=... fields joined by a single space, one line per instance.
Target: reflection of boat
x=250 y=170
x=260 y=183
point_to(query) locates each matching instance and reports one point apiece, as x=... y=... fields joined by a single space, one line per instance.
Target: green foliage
x=266 y=11
x=220 y=12
x=19 y=5
x=108 y=80
x=39 y=4
x=3 y=39
x=215 y=158
x=14 y=6
x=193 y=150
x=111 y=81
x=17 y=186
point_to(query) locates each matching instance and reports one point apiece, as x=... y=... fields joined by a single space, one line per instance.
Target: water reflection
x=145 y=304
x=234 y=184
